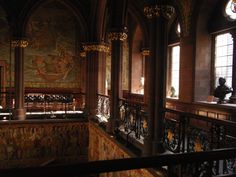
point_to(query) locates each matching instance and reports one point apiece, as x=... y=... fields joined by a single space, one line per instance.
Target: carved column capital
x=117 y=36
x=94 y=47
x=145 y=52
x=154 y=11
x=19 y=43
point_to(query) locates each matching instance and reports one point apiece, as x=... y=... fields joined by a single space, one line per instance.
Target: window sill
x=173 y=98
x=215 y=104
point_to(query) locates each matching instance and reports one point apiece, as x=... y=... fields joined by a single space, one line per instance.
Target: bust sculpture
x=221 y=90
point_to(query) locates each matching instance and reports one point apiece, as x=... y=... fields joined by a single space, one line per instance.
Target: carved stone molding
x=159 y=10
x=145 y=52
x=82 y=54
x=95 y=47
x=115 y=36
x=19 y=43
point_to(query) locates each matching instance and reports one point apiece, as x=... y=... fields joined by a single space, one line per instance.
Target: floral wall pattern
x=5 y=55
x=102 y=147
x=24 y=144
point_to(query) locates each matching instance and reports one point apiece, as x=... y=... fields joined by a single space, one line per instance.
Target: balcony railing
x=186 y=132
x=44 y=102
x=103 y=108
x=133 y=119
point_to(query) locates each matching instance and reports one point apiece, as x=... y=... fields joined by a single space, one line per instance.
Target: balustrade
x=133 y=118
x=186 y=132
x=103 y=108
x=44 y=102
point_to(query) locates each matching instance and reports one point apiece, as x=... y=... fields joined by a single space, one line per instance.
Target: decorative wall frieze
x=117 y=36
x=19 y=43
x=95 y=48
x=159 y=10
x=145 y=52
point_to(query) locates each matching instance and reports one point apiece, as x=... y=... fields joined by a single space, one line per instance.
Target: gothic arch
x=74 y=8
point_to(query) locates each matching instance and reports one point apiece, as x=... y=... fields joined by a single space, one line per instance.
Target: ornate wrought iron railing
x=43 y=102
x=103 y=107
x=186 y=132
x=133 y=118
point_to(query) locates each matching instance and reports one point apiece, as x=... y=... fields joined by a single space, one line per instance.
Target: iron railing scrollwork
x=186 y=132
x=133 y=118
x=103 y=107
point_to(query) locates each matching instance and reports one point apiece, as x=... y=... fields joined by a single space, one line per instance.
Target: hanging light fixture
x=233 y=6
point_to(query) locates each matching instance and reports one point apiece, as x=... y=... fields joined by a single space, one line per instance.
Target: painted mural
x=5 y=47
x=51 y=58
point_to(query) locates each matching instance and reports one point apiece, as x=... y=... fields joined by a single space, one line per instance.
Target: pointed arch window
x=224 y=58
x=174 y=63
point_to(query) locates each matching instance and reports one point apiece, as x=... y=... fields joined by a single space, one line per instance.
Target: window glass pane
x=223 y=58
x=175 y=53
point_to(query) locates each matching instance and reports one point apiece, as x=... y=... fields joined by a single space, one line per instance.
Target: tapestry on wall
x=5 y=56
x=50 y=58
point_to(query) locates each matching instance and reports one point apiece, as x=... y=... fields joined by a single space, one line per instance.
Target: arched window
x=175 y=56
x=174 y=62
x=223 y=57
x=223 y=31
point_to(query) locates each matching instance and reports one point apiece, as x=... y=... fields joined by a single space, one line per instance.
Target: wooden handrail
x=199 y=117
x=96 y=167
x=133 y=102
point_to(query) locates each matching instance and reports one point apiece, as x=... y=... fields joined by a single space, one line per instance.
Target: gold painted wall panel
x=29 y=144
x=102 y=147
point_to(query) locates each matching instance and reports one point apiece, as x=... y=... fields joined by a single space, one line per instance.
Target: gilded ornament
x=82 y=54
x=159 y=10
x=170 y=135
x=167 y=11
x=197 y=145
x=115 y=36
x=96 y=47
x=152 y=11
x=145 y=52
x=19 y=43
x=145 y=124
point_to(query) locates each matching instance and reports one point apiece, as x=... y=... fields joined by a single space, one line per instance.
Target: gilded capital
x=96 y=47
x=159 y=10
x=145 y=52
x=19 y=43
x=117 y=36
x=82 y=54
x=152 y=11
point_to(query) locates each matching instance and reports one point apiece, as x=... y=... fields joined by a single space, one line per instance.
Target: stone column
x=186 y=76
x=117 y=39
x=233 y=96
x=146 y=60
x=147 y=150
x=158 y=15
x=19 y=111
x=93 y=54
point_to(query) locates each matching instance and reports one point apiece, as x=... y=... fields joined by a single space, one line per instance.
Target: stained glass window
x=230 y=9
